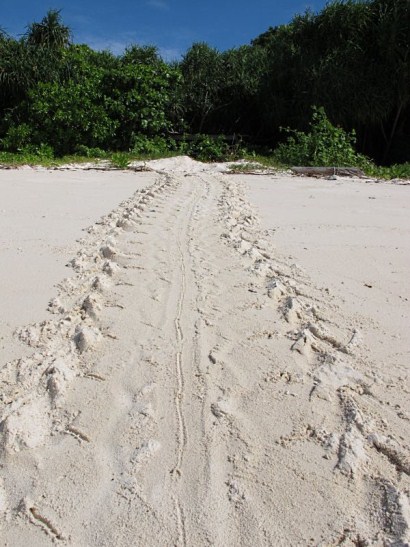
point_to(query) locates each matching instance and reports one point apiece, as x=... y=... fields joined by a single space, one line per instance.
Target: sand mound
x=186 y=165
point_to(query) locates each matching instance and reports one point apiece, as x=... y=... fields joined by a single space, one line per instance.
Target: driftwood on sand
x=328 y=171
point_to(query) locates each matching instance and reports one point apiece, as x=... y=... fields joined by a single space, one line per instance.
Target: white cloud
x=114 y=46
x=118 y=46
x=170 y=54
x=100 y=44
x=158 y=4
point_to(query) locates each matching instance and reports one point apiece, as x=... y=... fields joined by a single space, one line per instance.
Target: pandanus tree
x=392 y=36
x=352 y=58
x=17 y=71
x=22 y=67
x=50 y=32
x=34 y=58
x=285 y=88
x=238 y=109
x=25 y=63
x=203 y=74
x=363 y=77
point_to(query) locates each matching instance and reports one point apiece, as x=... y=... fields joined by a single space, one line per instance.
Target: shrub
x=153 y=146
x=87 y=152
x=137 y=98
x=70 y=114
x=324 y=145
x=397 y=171
x=206 y=148
x=17 y=137
x=120 y=160
x=30 y=154
x=41 y=151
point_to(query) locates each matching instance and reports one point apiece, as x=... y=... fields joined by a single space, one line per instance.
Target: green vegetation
x=351 y=60
x=246 y=167
x=120 y=160
x=323 y=145
x=396 y=171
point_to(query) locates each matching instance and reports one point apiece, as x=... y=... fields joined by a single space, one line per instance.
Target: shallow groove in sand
x=179 y=396
x=182 y=244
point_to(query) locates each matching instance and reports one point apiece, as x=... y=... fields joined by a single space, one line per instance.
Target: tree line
x=352 y=59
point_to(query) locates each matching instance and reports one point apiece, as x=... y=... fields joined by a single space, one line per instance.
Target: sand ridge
x=195 y=387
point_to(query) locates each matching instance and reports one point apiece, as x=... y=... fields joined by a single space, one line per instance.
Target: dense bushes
x=98 y=102
x=352 y=58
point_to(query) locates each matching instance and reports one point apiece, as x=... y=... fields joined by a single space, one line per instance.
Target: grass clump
x=396 y=171
x=29 y=155
x=120 y=160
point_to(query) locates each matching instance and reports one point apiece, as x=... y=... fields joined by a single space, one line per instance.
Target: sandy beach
x=190 y=357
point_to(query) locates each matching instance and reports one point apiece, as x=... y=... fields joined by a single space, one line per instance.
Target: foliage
x=89 y=152
x=70 y=113
x=42 y=151
x=141 y=55
x=97 y=103
x=352 y=58
x=206 y=148
x=323 y=145
x=22 y=67
x=202 y=73
x=152 y=146
x=50 y=32
x=137 y=98
x=239 y=108
x=219 y=90
x=120 y=160
x=401 y=171
x=29 y=155
x=17 y=137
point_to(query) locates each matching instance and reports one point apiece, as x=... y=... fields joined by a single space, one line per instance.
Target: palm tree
x=50 y=32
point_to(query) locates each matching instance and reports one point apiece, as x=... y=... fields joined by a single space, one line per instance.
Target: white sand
x=42 y=215
x=206 y=377
x=352 y=237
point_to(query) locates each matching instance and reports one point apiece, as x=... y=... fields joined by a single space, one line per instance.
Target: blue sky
x=172 y=25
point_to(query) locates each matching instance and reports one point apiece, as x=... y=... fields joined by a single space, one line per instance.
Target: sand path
x=195 y=388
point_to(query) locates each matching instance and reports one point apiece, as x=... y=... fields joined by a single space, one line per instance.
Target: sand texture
x=225 y=363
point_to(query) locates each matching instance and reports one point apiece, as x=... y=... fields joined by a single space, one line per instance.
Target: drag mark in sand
x=179 y=397
x=78 y=434
x=38 y=519
x=180 y=521
x=182 y=437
